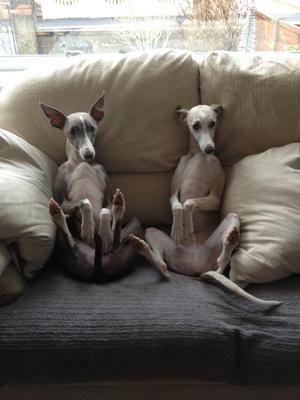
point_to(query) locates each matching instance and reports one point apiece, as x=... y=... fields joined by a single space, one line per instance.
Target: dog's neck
x=72 y=153
x=194 y=147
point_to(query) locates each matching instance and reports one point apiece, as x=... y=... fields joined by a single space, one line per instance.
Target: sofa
x=141 y=336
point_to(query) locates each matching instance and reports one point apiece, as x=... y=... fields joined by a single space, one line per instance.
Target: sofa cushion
x=264 y=190
x=12 y=284
x=139 y=133
x=25 y=188
x=141 y=327
x=146 y=196
x=260 y=95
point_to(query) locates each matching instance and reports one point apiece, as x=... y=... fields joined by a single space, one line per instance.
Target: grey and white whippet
x=100 y=250
x=199 y=245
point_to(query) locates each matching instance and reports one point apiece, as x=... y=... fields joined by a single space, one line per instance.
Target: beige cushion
x=261 y=99
x=12 y=284
x=146 y=195
x=25 y=188
x=264 y=190
x=139 y=133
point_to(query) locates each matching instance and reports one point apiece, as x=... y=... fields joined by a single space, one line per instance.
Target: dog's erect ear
x=181 y=112
x=217 y=109
x=96 y=111
x=56 y=117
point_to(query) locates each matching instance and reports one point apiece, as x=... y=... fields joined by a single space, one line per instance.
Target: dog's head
x=80 y=128
x=202 y=121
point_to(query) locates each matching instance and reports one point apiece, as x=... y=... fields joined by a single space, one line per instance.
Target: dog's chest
x=86 y=181
x=196 y=178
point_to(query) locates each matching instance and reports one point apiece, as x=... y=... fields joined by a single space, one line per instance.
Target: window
x=72 y=27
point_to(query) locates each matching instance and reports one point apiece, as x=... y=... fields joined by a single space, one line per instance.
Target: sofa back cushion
x=140 y=135
x=139 y=132
x=260 y=95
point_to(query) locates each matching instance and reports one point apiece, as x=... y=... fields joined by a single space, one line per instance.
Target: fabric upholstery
x=146 y=196
x=25 y=188
x=141 y=327
x=260 y=95
x=263 y=189
x=139 y=133
x=12 y=284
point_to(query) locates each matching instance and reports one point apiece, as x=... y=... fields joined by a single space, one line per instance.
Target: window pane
x=72 y=27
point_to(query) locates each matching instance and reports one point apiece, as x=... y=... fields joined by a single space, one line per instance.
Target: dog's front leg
x=188 y=224
x=177 y=225
x=207 y=203
x=118 y=210
x=105 y=218
x=177 y=232
x=87 y=222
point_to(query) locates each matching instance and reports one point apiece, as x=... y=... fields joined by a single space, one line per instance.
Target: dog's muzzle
x=88 y=155
x=209 y=149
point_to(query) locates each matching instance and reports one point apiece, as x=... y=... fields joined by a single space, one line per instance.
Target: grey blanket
x=141 y=327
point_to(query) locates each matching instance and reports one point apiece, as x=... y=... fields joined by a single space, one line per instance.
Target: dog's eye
x=211 y=124
x=74 y=130
x=197 y=125
x=90 y=128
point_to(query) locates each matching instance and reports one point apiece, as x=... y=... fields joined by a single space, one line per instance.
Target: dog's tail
x=216 y=277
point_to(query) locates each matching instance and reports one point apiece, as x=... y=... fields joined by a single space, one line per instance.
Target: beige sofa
x=142 y=329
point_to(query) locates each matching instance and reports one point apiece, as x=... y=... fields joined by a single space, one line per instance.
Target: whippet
x=199 y=245
x=81 y=190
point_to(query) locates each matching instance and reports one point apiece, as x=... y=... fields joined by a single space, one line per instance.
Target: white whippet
x=82 y=191
x=199 y=245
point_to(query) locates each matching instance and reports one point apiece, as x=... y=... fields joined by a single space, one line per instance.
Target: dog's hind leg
x=115 y=265
x=230 y=239
x=154 y=247
x=59 y=219
x=118 y=210
x=83 y=209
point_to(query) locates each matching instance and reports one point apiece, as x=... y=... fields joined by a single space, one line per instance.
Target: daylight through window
x=73 y=27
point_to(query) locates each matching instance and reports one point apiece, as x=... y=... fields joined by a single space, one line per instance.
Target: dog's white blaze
x=204 y=140
x=87 y=144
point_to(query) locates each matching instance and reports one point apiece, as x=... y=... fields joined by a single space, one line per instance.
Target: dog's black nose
x=89 y=155
x=209 y=149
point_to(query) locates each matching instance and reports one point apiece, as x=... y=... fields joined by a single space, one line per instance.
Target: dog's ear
x=181 y=112
x=56 y=117
x=217 y=109
x=96 y=111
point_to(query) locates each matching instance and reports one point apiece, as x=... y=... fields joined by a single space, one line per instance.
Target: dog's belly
x=205 y=224
x=196 y=183
x=86 y=183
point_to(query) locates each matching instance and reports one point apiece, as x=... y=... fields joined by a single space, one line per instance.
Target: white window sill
x=10 y=67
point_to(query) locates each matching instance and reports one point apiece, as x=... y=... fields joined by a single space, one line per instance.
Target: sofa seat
x=144 y=328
